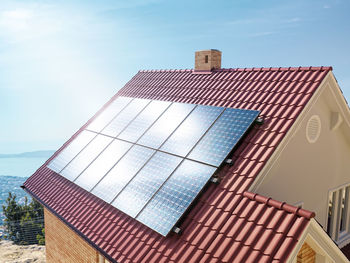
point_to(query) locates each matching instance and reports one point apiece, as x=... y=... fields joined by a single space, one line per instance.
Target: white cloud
x=27 y=23
x=15 y=19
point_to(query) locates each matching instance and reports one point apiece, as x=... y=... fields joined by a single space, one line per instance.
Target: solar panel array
x=151 y=159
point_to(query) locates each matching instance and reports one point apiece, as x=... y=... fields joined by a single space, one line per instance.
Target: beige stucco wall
x=303 y=172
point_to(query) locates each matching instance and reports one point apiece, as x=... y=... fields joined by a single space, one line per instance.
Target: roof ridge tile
x=279 y=205
x=300 y=68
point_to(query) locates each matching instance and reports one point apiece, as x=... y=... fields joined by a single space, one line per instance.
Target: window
x=338 y=225
x=206 y=58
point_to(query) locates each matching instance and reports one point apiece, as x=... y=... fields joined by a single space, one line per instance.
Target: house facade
x=296 y=154
x=322 y=131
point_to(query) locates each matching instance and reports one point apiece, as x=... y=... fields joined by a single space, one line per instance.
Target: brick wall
x=64 y=245
x=214 y=60
x=306 y=254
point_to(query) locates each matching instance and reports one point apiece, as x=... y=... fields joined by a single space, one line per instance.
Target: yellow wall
x=64 y=245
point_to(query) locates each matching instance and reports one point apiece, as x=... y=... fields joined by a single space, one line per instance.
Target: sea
x=13 y=173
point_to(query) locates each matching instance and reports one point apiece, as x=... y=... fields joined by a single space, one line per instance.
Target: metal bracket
x=229 y=162
x=177 y=230
x=215 y=180
x=259 y=121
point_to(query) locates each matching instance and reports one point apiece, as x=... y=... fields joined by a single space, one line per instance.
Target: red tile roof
x=227 y=223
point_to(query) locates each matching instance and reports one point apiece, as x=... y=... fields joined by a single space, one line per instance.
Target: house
x=297 y=153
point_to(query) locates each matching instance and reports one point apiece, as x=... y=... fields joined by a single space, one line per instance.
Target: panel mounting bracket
x=229 y=162
x=259 y=121
x=215 y=180
x=177 y=230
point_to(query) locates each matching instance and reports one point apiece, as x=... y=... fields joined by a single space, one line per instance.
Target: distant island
x=35 y=154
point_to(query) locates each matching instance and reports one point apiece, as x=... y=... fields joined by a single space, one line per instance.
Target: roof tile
x=215 y=222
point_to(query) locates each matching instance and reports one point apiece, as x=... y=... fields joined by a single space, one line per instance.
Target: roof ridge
x=321 y=68
x=280 y=205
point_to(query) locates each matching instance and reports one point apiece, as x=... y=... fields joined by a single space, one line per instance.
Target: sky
x=60 y=61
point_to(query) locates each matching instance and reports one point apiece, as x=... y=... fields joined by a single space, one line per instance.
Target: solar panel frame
x=84 y=178
x=158 y=150
x=148 y=134
x=59 y=156
x=141 y=188
x=123 y=136
x=228 y=153
x=147 y=154
x=110 y=130
x=85 y=153
x=98 y=117
x=187 y=124
x=186 y=204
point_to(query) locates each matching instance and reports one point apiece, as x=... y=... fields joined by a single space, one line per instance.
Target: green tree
x=24 y=223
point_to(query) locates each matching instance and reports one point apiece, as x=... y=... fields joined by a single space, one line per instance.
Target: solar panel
x=108 y=114
x=144 y=185
x=125 y=117
x=143 y=121
x=165 y=125
x=70 y=151
x=191 y=130
x=175 y=196
x=152 y=158
x=122 y=173
x=85 y=157
x=223 y=136
x=105 y=161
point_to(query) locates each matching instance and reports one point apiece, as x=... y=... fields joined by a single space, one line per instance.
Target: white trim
x=320 y=242
x=340 y=100
x=339 y=187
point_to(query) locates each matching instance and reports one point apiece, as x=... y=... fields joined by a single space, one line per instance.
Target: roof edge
x=325 y=68
x=77 y=231
x=280 y=205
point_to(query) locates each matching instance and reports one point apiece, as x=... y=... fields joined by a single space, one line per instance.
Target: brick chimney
x=207 y=60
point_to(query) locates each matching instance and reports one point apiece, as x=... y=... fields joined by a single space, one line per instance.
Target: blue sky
x=60 y=61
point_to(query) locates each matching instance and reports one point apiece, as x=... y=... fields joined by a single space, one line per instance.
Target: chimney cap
x=210 y=49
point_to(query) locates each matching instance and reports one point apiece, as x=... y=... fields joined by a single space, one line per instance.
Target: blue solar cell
x=175 y=196
x=122 y=173
x=68 y=153
x=218 y=142
x=101 y=165
x=144 y=120
x=121 y=121
x=165 y=125
x=145 y=184
x=191 y=130
x=85 y=157
x=108 y=114
x=155 y=187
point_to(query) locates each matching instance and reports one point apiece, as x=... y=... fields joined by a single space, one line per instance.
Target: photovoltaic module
x=150 y=158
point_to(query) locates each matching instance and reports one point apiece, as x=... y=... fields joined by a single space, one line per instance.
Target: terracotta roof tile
x=213 y=227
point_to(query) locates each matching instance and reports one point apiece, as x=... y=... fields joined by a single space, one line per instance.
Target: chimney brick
x=207 y=60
